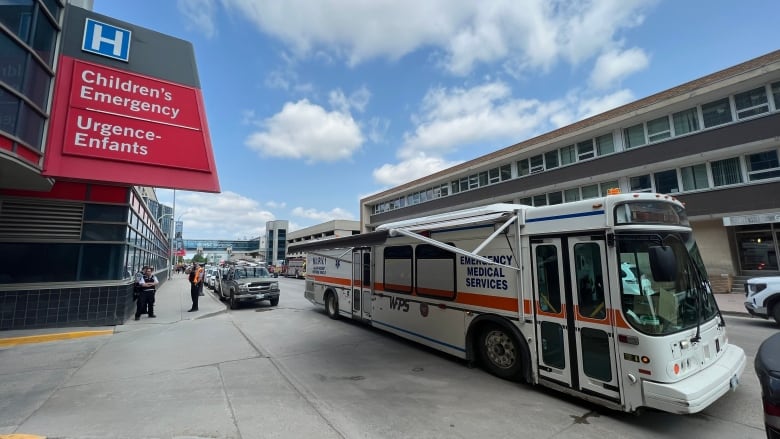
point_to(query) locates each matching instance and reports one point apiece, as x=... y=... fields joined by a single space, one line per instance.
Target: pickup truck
x=763 y=297
x=248 y=284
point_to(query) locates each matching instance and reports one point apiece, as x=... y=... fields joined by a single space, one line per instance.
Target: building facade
x=326 y=230
x=713 y=143
x=69 y=247
x=276 y=241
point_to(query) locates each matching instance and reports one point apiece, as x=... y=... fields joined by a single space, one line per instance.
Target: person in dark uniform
x=148 y=285
x=195 y=281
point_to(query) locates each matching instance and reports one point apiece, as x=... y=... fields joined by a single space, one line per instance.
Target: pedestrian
x=201 y=278
x=194 y=291
x=148 y=285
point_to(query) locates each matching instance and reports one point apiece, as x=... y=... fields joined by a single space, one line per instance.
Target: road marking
x=13 y=341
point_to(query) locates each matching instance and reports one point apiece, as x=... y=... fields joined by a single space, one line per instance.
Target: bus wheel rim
x=500 y=349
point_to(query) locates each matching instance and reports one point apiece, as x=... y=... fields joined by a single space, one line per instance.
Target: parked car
x=767 y=365
x=248 y=284
x=763 y=297
x=211 y=277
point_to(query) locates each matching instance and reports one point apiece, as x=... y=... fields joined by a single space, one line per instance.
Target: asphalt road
x=291 y=372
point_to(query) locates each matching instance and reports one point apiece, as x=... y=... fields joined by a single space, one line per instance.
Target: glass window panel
x=527 y=201
x=102 y=212
x=537 y=163
x=483 y=178
x=103 y=262
x=606 y=186
x=17 y=18
x=455 y=186
x=634 y=136
x=523 y=167
x=444 y=190
x=9 y=111
x=506 y=172
x=555 y=198
x=666 y=182
x=568 y=155
x=776 y=94
x=540 y=200
x=36 y=84
x=686 y=122
x=43 y=42
x=551 y=159
x=61 y=262
x=605 y=144
x=473 y=181
x=591 y=191
x=716 y=113
x=585 y=150
x=493 y=176
x=12 y=62
x=751 y=103
x=640 y=183
x=571 y=195
x=658 y=129
x=726 y=172
x=763 y=165
x=30 y=127
x=53 y=7
x=694 y=177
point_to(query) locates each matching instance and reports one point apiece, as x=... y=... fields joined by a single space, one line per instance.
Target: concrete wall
x=712 y=237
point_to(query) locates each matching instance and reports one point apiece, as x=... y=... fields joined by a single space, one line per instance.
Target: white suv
x=763 y=297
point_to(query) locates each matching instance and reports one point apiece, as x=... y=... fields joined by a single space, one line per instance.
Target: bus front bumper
x=697 y=392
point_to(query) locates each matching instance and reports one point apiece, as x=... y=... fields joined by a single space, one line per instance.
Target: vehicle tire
x=776 y=312
x=233 y=303
x=500 y=352
x=275 y=301
x=331 y=305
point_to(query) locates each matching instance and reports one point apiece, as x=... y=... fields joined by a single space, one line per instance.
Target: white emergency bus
x=605 y=298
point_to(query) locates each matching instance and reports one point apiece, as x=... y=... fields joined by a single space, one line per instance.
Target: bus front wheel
x=331 y=305
x=500 y=352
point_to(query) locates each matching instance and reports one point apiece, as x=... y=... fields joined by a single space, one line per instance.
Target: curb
x=42 y=338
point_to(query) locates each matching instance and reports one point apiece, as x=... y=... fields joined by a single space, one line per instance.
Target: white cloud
x=410 y=169
x=201 y=14
x=217 y=216
x=358 y=100
x=612 y=66
x=323 y=216
x=528 y=34
x=307 y=131
x=276 y=204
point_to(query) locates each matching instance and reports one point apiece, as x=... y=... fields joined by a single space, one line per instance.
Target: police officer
x=148 y=285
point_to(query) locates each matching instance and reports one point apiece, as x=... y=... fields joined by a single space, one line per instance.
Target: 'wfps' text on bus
x=606 y=298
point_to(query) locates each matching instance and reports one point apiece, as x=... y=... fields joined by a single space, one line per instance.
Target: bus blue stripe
x=418 y=335
x=570 y=215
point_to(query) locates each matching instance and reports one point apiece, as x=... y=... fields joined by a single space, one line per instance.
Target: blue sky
x=313 y=105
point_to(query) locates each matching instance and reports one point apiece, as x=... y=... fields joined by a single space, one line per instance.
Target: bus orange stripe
x=502 y=303
x=332 y=280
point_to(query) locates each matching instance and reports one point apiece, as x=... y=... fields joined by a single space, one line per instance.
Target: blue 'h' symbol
x=106 y=40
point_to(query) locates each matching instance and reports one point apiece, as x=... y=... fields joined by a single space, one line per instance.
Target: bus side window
x=590 y=291
x=547 y=279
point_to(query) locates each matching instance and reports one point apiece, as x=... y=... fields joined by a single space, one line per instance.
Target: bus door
x=552 y=347
x=361 y=283
x=592 y=333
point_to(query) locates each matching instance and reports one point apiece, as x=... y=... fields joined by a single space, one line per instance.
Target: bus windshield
x=660 y=308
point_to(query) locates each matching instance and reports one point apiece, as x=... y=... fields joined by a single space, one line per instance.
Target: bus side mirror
x=663 y=263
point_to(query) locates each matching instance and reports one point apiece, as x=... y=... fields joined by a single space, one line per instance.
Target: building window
x=605 y=144
x=685 y=122
x=571 y=195
x=666 y=182
x=567 y=155
x=537 y=164
x=540 y=200
x=716 y=113
x=585 y=150
x=658 y=129
x=527 y=201
x=776 y=94
x=555 y=198
x=725 y=172
x=605 y=187
x=751 y=103
x=694 y=177
x=763 y=165
x=591 y=191
x=523 y=168
x=483 y=179
x=634 y=136
x=641 y=183
x=551 y=159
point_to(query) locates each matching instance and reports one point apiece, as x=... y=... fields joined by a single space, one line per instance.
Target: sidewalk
x=732 y=304
x=172 y=301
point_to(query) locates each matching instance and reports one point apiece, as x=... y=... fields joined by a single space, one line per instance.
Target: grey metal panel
x=151 y=53
x=22 y=220
x=754 y=197
x=711 y=140
x=365 y=239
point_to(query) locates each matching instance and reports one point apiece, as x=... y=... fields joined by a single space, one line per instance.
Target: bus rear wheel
x=500 y=352
x=331 y=306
